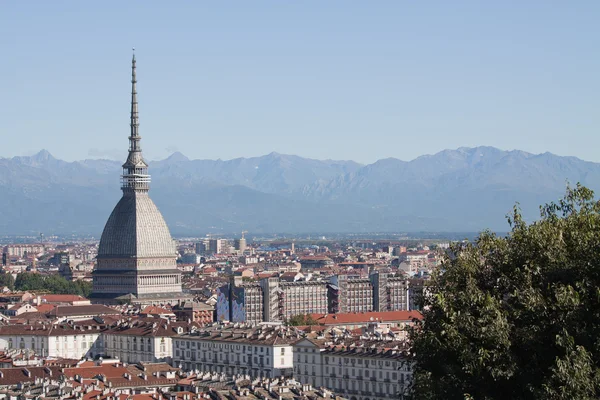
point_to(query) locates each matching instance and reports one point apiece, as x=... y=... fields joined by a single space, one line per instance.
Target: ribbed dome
x=136 y=229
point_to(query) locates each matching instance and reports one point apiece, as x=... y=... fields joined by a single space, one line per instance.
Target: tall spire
x=135 y=176
x=134 y=138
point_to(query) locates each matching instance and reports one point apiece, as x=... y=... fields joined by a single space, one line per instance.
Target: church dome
x=136 y=228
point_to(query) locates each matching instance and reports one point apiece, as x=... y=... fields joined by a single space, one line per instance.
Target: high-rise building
x=240 y=301
x=240 y=244
x=136 y=259
x=215 y=246
x=389 y=293
x=347 y=294
x=201 y=247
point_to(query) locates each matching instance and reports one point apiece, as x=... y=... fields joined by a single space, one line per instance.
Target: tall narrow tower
x=137 y=257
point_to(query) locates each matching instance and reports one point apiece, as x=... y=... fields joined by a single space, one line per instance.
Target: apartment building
x=22 y=250
x=264 y=351
x=283 y=300
x=349 y=294
x=240 y=301
x=143 y=340
x=60 y=341
x=364 y=368
x=390 y=293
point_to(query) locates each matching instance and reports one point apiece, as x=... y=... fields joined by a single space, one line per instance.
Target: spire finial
x=135 y=123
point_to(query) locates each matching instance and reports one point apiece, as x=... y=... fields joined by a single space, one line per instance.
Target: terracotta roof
x=149 y=327
x=12 y=376
x=93 y=309
x=122 y=376
x=155 y=310
x=61 y=298
x=45 y=308
x=353 y=318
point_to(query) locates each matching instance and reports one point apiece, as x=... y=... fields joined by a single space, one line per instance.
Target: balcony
x=333 y=375
x=373 y=379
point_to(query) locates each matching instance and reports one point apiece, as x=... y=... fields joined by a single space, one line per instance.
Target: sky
x=360 y=80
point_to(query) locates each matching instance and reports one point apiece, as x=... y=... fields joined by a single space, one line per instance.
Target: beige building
x=264 y=351
x=64 y=341
x=367 y=371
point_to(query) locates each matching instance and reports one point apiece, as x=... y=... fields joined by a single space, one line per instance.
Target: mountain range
x=467 y=189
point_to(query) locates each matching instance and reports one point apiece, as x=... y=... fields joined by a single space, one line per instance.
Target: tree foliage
x=55 y=284
x=302 y=319
x=517 y=317
x=7 y=280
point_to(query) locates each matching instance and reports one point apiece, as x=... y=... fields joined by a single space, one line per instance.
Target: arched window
x=22 y=343
x=10 y=343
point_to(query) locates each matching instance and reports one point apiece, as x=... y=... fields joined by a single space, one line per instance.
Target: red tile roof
x=355 y=318
x=61 y=298
x=155 y=310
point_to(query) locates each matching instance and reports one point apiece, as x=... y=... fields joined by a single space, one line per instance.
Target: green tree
x=7 y=280
x=55 y=284
x=516 y=317
x=302 y=319
x=29 y=281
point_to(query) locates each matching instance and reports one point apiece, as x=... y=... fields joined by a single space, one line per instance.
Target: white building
x=46 y=340
x=265 y=351
x=354 y=369
x=143 y=340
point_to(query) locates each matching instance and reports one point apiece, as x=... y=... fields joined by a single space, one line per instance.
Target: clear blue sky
x=323 y=79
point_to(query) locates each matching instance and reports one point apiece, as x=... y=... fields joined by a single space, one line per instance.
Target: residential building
x=240 y=301
x=198 y=312
x=216 y=246
x=389 y=293
x=395 y=320
x=349 y=294
x=60 y=341
x=310 y=262
x=143 y=340
x=359 y=368
x=263 y=351
x=23 y=250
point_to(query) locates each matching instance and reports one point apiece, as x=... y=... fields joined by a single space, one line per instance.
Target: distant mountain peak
x=177 y=157
x=42 y=155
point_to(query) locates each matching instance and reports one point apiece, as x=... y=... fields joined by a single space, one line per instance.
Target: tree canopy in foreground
x=517 y=317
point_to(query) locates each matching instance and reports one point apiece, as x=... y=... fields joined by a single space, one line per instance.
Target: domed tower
x=137 y=257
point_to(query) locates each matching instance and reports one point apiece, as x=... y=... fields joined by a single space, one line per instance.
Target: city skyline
x=364 y=83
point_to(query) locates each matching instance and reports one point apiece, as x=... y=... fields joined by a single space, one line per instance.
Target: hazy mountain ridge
x=460 y=190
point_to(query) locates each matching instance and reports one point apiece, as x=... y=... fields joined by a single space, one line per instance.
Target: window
x=282 y=350
x=10 y=343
